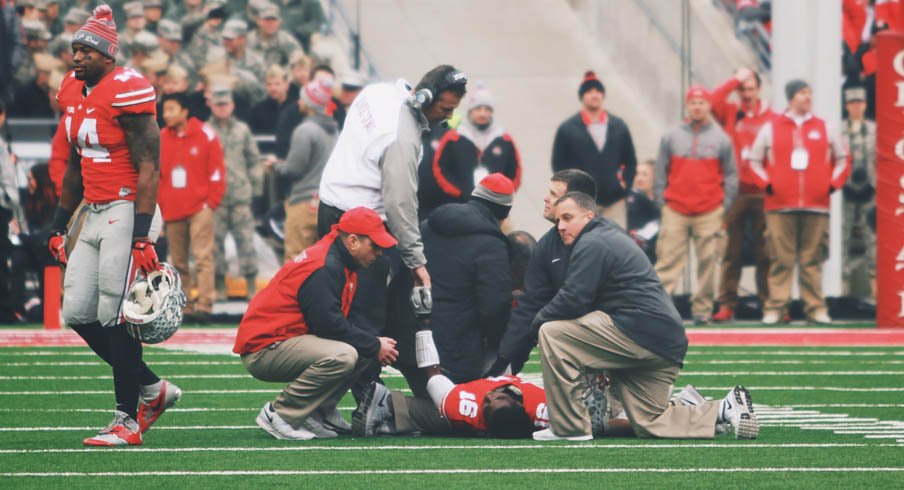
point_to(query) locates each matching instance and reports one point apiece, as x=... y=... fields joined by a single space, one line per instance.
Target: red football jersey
x=463 y=405
x=91 y=126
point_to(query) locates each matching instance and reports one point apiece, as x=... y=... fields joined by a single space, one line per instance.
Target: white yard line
x=302 y=448
x=457 y=471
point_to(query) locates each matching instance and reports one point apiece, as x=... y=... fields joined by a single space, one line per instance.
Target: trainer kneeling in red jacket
x=192 y=184
x=296 y=330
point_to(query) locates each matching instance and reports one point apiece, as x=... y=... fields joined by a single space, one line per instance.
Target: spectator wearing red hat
x=312 y=142
x=742 y=120
x=472 y=289
x=696 y=180
x=297 y=330
x=807 y=162
x=599 y=143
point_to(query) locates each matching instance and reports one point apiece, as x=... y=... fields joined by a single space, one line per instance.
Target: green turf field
x=830 y=417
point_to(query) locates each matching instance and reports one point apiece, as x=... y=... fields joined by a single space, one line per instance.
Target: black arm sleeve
x=319 y=299
x=560 y=151
x=519 y=338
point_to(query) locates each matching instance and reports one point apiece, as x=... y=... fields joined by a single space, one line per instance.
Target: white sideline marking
x=458 y=471
x=465 y=447
x=798 y=353
x=391 y=375
x=276 y=390
x=846 y=405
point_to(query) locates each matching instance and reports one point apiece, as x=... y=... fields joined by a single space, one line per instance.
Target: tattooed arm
x=143 y=140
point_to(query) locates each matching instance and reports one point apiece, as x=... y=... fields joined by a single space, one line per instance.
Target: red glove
x=57 y=245
x=145 y=257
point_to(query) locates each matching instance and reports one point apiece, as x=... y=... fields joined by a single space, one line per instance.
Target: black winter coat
x=468 y=260
x=574 y=148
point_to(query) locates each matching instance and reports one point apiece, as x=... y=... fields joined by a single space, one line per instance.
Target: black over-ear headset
x=424 y=97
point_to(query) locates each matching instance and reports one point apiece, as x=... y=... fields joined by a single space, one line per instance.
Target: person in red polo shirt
x=696 y=181
x=799 y=162
x=192 y=184
x=742 y=121
x=297 y=330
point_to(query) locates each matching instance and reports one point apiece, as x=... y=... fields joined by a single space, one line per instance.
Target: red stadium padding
x=814 y=337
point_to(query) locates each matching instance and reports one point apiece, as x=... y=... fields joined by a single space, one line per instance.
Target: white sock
x=149 y=392
x=721 y=417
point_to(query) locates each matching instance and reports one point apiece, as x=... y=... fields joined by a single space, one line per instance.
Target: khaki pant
x=858 y=272
x=417 y=415
x=196 y=233
x=746 y=207
x=300 y=228
x=800 y=238
x=640 y=378
x=319 y=372
x=617 y=211
x=706 y=231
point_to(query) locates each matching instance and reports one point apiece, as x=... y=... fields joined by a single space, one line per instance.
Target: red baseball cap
x=697 y=91
x=364 y=221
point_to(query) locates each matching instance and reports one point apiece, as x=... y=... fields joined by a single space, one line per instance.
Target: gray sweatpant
x=100 y=271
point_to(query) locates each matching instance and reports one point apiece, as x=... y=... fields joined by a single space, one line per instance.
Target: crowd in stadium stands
x=227 y=71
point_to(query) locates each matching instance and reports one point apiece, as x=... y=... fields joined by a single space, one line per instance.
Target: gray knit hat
x=795 y=86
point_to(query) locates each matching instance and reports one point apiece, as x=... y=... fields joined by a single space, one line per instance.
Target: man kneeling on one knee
x=296 y=330
x=613 y=314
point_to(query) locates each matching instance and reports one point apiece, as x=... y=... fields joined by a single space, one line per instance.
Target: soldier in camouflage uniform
x=859 y=250
x=135 y=24
x=37 y=38
x=275 y=44
x=169 y=33
x=206 y=43
x=240 y=56
x=244 y=180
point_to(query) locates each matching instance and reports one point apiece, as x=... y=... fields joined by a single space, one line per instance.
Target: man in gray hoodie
x=310 y=147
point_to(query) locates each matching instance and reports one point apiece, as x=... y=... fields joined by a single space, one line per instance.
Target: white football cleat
x=374 y=416
x=311 y=424
x=549 y=435
x=122 y=431
x=738 y=411
x=274 y=425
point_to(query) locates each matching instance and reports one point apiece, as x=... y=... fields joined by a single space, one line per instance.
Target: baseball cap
x=221 y=94
x=234 y=28
x=696 y=92
x=364 y=221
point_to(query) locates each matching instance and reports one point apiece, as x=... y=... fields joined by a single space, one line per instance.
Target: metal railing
x=339 y=24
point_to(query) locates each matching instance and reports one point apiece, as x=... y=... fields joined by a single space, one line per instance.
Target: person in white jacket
x=374 y=164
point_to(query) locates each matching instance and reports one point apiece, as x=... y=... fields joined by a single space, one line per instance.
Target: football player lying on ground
x=296 y=330
x=504 y=407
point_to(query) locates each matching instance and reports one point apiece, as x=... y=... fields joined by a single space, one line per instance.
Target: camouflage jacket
x=243 y=170
x=276 y=51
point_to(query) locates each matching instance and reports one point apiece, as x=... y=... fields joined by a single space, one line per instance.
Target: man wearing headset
x=374 y=164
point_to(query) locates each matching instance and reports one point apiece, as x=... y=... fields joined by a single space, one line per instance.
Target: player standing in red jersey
x=109 y=118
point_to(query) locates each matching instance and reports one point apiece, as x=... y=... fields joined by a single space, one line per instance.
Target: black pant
x=122 y=352
x=7 y=308
x=31 y=256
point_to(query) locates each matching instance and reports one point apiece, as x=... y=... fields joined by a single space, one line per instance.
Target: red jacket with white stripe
x=801 y=185
x=742 y=127
x=192 y=172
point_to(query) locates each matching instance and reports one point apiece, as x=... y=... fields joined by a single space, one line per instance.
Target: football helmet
x=153 y=308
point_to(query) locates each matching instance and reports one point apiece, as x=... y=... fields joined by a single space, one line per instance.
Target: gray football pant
x=100 y=271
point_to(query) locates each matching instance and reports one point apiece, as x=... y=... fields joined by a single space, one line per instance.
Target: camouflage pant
x=238 y=220
x=859 y=250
